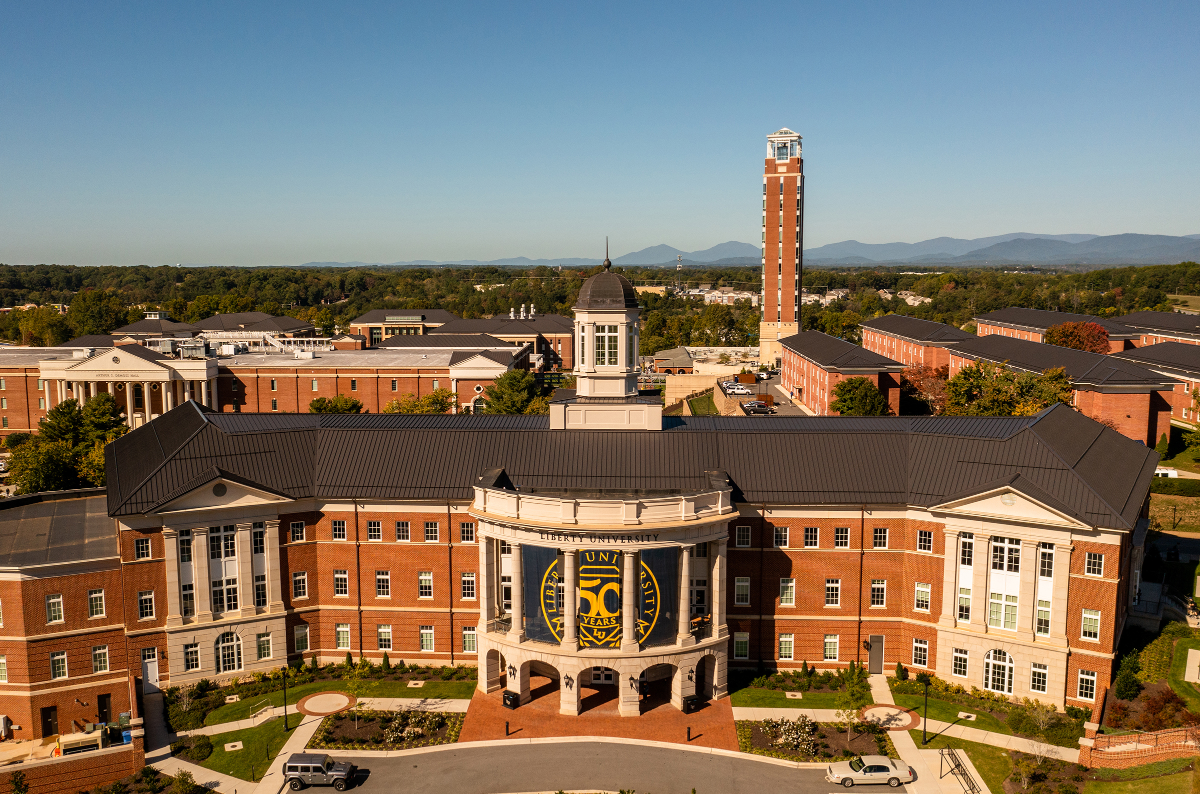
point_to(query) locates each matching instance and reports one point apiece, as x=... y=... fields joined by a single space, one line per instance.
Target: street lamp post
x=923 y=678
x=285 y=677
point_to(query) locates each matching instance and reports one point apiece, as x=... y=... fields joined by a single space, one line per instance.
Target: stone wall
x=79 y=772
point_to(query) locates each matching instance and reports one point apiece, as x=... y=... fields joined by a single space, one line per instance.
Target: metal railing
x=500 y=625
x=702 y=626
x=1132 y=745
x=958 y=769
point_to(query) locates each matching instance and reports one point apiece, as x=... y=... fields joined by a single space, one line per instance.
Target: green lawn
x=948 y=712
x=992 y=762
x=1185 y=689
x=776 y=699
x=704 y=406
x=259 y=746
x=1179 y=783
x=231 y=712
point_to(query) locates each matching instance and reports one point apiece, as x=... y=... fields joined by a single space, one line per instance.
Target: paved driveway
x=523 y=767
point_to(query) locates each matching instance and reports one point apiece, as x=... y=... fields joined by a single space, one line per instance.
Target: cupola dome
x=607 y=290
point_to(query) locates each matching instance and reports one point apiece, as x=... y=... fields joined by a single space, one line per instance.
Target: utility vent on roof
x=305 y=354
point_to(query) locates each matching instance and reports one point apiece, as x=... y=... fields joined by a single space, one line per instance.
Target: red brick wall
x=984 y=329
x=772 y=310
x=1140 y=416
x=20 y=410
x=79 y=772
x=903 y=350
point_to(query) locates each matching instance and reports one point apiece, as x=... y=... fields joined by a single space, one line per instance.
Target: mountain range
x=1018 y=248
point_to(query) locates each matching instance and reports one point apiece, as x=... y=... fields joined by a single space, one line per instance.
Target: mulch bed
x=831 y=743
x=1157 y=708
x=1053 y=777
x=340 y=732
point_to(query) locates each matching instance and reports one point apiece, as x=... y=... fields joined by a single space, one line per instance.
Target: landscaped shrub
x=1175 y=486
x=901 y=673
x=193 y=748
x=1163 y=709
x=794 y=734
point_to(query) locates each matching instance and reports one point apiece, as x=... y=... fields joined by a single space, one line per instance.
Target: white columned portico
x=949 y=614
x=684 y=631
x=629 y=590
x=274 y=596
x=570 y=600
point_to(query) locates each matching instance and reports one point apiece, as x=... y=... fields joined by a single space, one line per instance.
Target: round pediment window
x=116 y=359
x=1008 y=500
x=478 y=389
x=219 y=489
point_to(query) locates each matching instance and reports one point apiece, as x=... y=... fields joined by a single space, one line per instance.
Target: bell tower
x=782 y=242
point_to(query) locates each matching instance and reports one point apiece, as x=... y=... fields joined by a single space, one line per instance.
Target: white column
x=62 y=391
x=129 y=404
x=1062 y=583
x=91 y=391
x=1028 y=595
x=168 y=402
x=570 y=601
x=204 y=393
x=245 y=569
x=684 y=634
x=274 y=596
x=111 y=392
x=981 y=563
x=487 y=596
x=49 y=402
x=717 y=583
x=200 y=578
x=949 y=579
x=629 y=592
x=516 y=632
x=171 y=545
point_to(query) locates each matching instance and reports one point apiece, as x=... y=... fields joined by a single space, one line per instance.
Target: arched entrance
x=998 y=672
x=706 y=674
x=494 y=675
x=598 y=685
x=657 y=682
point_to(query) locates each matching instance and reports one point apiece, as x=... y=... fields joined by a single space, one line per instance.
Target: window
x=383 y=636
x=785 y=647
x=218 y=595
x=1095 y=564
x=998 y=672
x=314 y=385
x=741 y=645
x=95 y=603
x=810 y=537
x=1091 y=624
x=191 y=656
x=959 y=663
x=920 y=655
x=341 y=633
x=185 y=546
x=263 y=643
x=141 y=549
x=231 y=594
x=741 y=591
x=187 y=600
x=425 y=584
x=966 y=550
x=1046 y=561
x=964 y=604
x=402 y=530
x=260 y=590
x=339 y=530
x=878 y=592
x=229 y=542
x=300 y=637
x=41 y=403
x=841 y=537
x=353 y=384
x=468 y=586
x=431 y=531
x=374 y=530
x=1043 y=618
x=1087 y=685
x=258 y=540
x=4 y=669
x=99 y=658
x=833 y=592
x=383 y=584
x=229 y=652
x=1038 y=677
x=880 y=538
x=742 y=537
x=781 y=537
x=341 y=583
x=1006 y=554
x=505 y=548
x=606 y=345
x=297 y=531
x=394 y=384
x=1003 y=611
x=831 y=647
x=922 y=600
x=274 y=404
x=300 y=584
x=54 y=608
x=787 y=592
x=466 y=532
x=214 y=543
x=468 y=645
x=58 y=664
x=427 y=638
x=273 y=385
x=924 y=540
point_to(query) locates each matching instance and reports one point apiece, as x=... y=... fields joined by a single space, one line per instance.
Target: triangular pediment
x=1009 y=504
x=219 y=490
x=117 y=360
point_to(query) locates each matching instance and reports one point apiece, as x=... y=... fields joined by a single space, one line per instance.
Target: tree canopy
x=439 y=401
x=859 y=397
x=1081 y=336
x=987 y=389
x=68 y=450
x=341 y=404
x=515 y=392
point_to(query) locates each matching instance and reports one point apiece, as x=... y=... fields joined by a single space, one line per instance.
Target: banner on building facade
x=539 y=584
x=599 y=599
x=658 y=618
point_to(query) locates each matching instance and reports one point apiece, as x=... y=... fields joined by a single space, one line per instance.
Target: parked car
x=762 y=376
x=317 y=769
x=756 y=407
x=869 y=769
x=739 y=388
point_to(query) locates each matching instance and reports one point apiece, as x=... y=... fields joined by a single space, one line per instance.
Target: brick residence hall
x=603 y=543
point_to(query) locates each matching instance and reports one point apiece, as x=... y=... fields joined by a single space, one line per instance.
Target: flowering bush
x=794 y=734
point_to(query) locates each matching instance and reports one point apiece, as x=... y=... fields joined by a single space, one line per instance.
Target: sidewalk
x=158 y=752
x=926 y=782
x=272 y=781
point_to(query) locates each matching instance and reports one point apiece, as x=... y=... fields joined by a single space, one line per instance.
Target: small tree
x=356 y=684
x=439 y=401
x=63 y=422
x=386 y=665
x=512 y=393
x=927 y=384
x=854 y=695
x=17 y=783
x=335 y=405
x=1079 y=336
x=859 y=397
x=185 y=784
x=1163 y=446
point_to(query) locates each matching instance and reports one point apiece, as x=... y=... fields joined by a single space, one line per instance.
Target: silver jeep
x=317 y=769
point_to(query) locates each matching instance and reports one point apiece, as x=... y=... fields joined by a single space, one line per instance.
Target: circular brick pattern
x=322 y=704
x=892 y=718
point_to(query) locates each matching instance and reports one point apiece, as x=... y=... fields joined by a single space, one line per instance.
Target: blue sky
x=280 y=133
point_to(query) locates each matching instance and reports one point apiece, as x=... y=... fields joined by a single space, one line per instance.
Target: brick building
x=1157 y=327
x=551 y=337
x=378 y=324
x=1179 y=361
x=782 y=242
x=1134 y=399
x=912 y=341
x=1031 y=325
x=815 y=363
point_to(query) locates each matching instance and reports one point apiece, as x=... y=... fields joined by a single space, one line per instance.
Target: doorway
x=603 y=675
x=875 y=658
x=49 y=721
x=149 y=670
x=104 y=709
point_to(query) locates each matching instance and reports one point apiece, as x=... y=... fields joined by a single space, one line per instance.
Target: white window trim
x=1085 y=564
x=929 y=597
x=1083 y=616
x=871 y=595
x=783 y=603
x=302 y=576
x=966 y=656
x=738 y=580
x=837 y=647
x=1079 y=680
x=917 y=643
x=737 y=537
x=791 y=639
x=744 y=635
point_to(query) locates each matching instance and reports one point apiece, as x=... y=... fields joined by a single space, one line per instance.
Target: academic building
x=602 y=544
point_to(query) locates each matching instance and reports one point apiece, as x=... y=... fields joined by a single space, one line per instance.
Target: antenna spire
x=607 y=262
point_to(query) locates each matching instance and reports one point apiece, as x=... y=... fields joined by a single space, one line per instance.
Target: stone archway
x=494 y=676
x=705 y=682
x=658 y=683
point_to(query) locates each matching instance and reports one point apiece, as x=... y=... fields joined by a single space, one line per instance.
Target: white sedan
x=870 y=769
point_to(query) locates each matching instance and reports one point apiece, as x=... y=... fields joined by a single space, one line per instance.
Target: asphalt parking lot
x=783 y=406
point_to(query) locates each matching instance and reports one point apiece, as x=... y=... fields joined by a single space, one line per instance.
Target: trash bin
x=512 y=700
x=691 y=703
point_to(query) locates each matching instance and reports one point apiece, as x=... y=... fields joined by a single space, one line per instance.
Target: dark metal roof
x=232 y=321
x=838 y=355
x=462 y=341
x=156 y=327
x=1040 y=320
x=65 y=526
x=508 y=326
x=1079 y=466
x=1170 y=322
x=91 y=340
x=287 y=325
x=917 y=330
x=502 y=357
x=1083 y=368
x=428 y=316
x=607 y=290
x=1174 y=357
